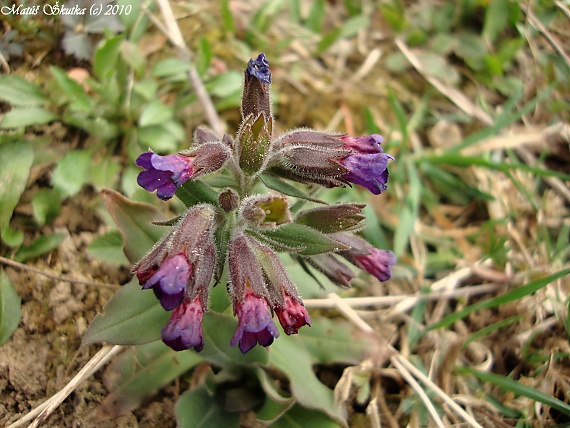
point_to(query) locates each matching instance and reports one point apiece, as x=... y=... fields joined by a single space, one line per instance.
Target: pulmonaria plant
x=240 y=225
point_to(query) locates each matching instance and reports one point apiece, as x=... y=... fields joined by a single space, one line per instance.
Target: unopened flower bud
x=333 y=218
x=266 y=210
x=332 y=268
x=203 y=134
x=228 y=200
x=255 y=97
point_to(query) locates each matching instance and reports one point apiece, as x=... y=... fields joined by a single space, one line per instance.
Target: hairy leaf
x=10 y=310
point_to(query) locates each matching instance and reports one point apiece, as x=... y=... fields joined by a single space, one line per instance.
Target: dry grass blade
x=406 y=368
x=42 y=412
x=175 y=36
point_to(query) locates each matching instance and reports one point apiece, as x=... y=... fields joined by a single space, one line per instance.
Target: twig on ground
x=410 y=300
x=21 y=266
x=172 y=31
x=47 y=407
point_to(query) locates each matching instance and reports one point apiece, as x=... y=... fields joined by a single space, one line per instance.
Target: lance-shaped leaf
x=199 y=408
x=10 y=310
x=276 y=401
x=134 y=221
x=137 y=375
x=305 y=239
x=333 y=218
x=16 y=160
x=131 y=317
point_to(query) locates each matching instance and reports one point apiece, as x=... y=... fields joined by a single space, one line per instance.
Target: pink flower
x=292 y=316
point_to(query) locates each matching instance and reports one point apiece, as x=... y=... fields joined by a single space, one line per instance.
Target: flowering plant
x=246 y=227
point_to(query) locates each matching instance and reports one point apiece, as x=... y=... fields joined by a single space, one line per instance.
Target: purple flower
x=259 y=68
x=368 y=164
x=292 y=316
x=254 y=323
x=170 y=281
x=164 y=173
x=376 y=262
x=184 y=329
x=367 y=170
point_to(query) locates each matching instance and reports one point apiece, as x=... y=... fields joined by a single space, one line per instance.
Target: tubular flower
x=368 y=164
x=179 y=269
x=184 y=329
x=170 y=281
x=254 y=323
x=374 y=261
x=164 y=174
x=292 y=316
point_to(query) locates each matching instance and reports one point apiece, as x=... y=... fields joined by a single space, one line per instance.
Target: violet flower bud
x=255 y=325
x=184 y=329
x=365 y=256
x=255 y=97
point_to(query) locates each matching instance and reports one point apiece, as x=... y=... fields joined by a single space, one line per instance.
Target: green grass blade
x=518 y=388
x=515 y=294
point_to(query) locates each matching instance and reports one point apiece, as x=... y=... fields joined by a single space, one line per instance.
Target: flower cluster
x=243 y=230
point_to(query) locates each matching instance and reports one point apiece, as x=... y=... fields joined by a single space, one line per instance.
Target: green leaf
x=300 y=417
x=204 y=56
x=155 y=113
x=16 y=160
x=133 y=56
x=170 y=67
x=10 y=308
x=132 y=317
x=518 y=388
x=276 y=402
x=105 y=58
x=71 y=172
x=19 y=92
x=496 y=19
x=20 y=117
x=281 y=186
x=72 y=89
x=225 y=84
x=409 y=210
x=513 y=295
x=12 y=237
x=105 y=173
x=306 y=240
x=108 y=248
x=42 y=245
x=324 y=343
x=163 y=138
x=133 y=219
x=199 y=408
x=46 y=205
x=136 y=376
x=194 y=192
